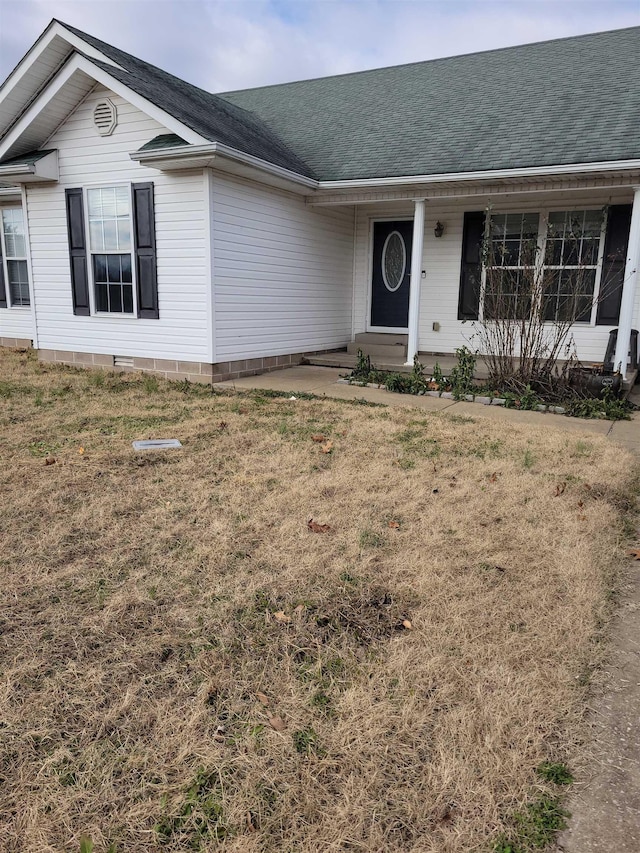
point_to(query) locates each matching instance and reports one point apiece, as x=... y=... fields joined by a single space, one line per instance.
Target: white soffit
x=63 y=93
x=36 y=68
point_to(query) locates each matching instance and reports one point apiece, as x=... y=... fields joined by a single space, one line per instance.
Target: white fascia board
x=205 y=156
x=486 y=175
x=81 y=63
x=35 y=52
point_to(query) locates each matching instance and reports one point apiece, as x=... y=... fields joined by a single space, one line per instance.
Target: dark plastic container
x=593 y=383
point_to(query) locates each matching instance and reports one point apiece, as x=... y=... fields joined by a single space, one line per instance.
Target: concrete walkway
x=605 y=808
x=323 y=382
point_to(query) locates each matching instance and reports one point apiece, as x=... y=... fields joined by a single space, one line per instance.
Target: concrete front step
x=380 y=339
x=377 y=350
x=348 y=361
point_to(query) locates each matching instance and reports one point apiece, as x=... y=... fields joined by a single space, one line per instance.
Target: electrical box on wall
x=436 y=327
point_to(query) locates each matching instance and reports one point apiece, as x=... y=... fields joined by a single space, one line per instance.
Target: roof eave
x=224 y=158
x=42 y=170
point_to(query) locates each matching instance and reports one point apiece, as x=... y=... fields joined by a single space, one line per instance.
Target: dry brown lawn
x=185 y=665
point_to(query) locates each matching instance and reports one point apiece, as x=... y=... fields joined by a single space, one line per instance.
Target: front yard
x=318 y=626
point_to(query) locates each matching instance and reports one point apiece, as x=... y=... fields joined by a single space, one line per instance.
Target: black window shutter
x=77 y=252
x=616 y=242
x=471 y=270
x=144 y=240
x=3 y=289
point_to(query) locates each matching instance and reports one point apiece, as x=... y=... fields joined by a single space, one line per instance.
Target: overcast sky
x=231 y=44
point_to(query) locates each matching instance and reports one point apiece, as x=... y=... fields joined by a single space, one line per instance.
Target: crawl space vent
x=105 y=117
x=123 y=361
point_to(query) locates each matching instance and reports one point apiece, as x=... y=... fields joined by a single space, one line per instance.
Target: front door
x=391 y=273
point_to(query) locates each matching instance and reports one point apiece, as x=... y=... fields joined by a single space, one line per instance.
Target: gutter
x=184 y=154
x=485 y=175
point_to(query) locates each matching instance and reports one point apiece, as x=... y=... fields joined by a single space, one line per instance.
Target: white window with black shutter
x=14 y=269
x=580 y=253
x=112 y=250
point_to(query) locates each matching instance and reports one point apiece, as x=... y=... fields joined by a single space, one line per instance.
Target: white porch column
x=629 y=288
x=415 y=280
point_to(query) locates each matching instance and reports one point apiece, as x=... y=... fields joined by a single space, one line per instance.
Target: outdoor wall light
x=439 y=229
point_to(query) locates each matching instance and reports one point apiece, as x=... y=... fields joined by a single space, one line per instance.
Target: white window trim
x=116 y=315
x=543 y=217
x=5 y=259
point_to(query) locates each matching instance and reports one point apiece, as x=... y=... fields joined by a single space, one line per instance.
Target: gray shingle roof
x=573 y=100
x=209 y=115
x=165 y=140
x=28 y=159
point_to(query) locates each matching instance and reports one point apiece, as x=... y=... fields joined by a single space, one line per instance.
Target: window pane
x=122 y=201
x=124 y=234
x=555 y=224
x=115 y=298
x=113 y=268
x=95 y=235
x=553 y=252
x=592 y=223
x=110 y=235
x=108 y=202
x=94 y=203
x=513 y=225
x=511 y=253
x=99 y=268
x=590 y=248
x=13 y=228
x=102 y=303
x=18 y=282
x=126 y=267
x=127 y=297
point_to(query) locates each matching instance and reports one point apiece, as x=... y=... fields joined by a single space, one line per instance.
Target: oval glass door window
x=394 y=261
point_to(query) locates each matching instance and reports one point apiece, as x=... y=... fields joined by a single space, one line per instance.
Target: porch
x=418 y=274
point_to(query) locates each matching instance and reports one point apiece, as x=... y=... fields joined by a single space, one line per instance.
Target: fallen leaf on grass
x=263 y=699
x=494 y=477
x=635 y=554
x=277 y=723
x=314 y=527
x=560 y=489
x=407 y=624
x=81 y=450
x=281 y=617
x=299 y=610
x=50 y=460
x=327 y=448
x=318 y=438
x=394 y=525
x=251 y=827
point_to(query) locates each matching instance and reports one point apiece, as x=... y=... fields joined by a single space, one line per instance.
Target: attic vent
x=105 y=117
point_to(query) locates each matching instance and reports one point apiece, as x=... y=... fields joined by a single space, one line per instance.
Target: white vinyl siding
x=441 y=263
x=282 y=270
x=87 y=160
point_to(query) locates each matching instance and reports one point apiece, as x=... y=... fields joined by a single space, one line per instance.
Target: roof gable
x=214 y=118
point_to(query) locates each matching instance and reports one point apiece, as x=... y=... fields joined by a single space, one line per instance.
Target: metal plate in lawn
x=156 y=444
